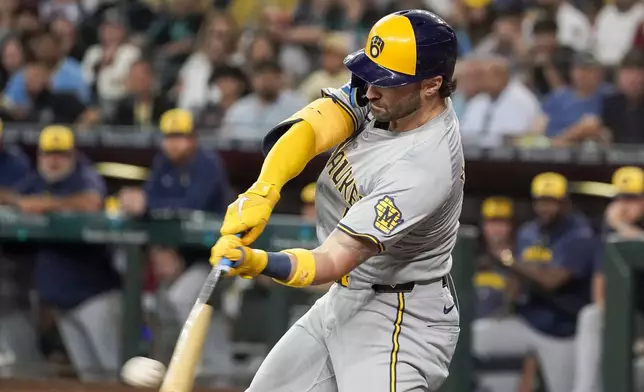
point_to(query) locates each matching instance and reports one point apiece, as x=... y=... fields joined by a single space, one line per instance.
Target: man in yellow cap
x=490 y=280
x=183 y=178
x=79 y=281
x=14 y=166
x=183 y=175
x=624 y=216
x=553 y=260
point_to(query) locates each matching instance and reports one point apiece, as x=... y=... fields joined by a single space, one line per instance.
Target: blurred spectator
x=184 y=177
x=554 y=265
x=506 y=39
x=197 y=71
x=504 y=108
x=27 y=23
x=14 y=166
x=174 y=34
x=144 y=104
x=574 y=29
x=490 y=281
x=71 y=44
x=12 y=59
x=50 y=106
x=107 y=64
x=8 y=13
x=264 y=48
x=72 y=10
x=623 y=112
x=84 y=293
x=625 y=217
x=332 y=72
x=570 y=114
x=551 y=61
x=469 y=73
x=615 y=28
x=252 y=117
x=66 y=74
x=225 y=87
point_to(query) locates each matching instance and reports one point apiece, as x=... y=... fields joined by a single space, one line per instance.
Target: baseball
x=143 y=372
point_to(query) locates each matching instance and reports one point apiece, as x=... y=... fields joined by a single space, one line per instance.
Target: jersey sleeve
x=402 y=197
x=343 y=98
x=340 y=99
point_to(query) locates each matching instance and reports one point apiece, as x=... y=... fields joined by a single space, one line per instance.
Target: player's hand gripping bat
x=180 y=376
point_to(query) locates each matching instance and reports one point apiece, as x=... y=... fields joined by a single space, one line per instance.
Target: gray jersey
x=401 y=191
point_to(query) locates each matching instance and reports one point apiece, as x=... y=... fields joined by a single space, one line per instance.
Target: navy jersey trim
x=353 y=233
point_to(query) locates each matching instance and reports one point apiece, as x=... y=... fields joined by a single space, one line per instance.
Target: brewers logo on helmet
x=405 y=47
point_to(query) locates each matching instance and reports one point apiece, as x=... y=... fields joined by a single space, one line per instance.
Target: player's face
x=390 y=104
x=547 y=210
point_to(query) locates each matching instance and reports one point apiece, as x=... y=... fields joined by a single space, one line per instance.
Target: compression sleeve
x=316 y=128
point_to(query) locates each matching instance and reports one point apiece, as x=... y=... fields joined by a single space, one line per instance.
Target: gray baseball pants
x=510 y=337
x=359 y=340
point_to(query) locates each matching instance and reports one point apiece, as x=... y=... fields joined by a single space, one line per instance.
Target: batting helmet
x=405 y=47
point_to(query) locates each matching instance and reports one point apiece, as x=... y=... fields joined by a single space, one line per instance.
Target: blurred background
x=128 y=126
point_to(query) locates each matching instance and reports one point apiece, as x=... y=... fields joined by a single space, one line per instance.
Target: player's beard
x=402 y=108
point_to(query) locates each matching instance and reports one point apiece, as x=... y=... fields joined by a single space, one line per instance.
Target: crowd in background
x=534 y=73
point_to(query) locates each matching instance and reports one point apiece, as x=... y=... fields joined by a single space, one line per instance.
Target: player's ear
x=429 y=87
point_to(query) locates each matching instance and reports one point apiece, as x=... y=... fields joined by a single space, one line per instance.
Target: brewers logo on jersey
x=388 y=216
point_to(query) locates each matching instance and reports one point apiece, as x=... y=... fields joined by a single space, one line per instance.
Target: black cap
x=586 y=60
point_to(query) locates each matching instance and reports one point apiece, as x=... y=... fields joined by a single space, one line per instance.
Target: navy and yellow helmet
x=405 y=47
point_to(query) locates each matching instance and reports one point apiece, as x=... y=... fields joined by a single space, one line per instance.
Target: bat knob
x=225 y=264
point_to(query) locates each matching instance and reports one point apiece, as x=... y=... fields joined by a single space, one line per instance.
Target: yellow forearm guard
x=314 y=129
x=304 y=273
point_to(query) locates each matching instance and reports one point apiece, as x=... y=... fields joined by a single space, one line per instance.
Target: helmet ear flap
x=358 y=91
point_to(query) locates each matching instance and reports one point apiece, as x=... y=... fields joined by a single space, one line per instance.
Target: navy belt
x=395 y=288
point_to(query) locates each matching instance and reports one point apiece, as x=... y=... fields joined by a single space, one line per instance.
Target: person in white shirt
x=615 y=27
x=106 y=65
x=253 y=116
x=574 y=30
x=505 y=107
x=218 y=49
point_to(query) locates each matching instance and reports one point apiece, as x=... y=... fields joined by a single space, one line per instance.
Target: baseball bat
x=180 y=376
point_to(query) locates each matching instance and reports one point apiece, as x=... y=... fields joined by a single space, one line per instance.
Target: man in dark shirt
x=624 y=217
x=554 y=255
x=144 y=105
x=183 y=177
x=78 y=280
x=48 y=105
x=623 y=112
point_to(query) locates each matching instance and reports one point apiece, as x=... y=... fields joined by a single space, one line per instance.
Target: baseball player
x=388 y=203
x=624 y=216
x=554 y=263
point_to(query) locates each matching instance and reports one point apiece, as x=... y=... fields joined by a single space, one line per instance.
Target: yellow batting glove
x=249 y=214
x=247 y=262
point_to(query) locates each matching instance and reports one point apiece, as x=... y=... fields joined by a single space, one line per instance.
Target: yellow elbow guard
x=304 y=273
x=331 y=123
